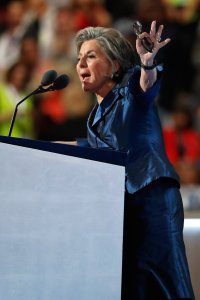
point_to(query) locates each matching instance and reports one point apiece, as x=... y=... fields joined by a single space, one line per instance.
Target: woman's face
x=94 y=69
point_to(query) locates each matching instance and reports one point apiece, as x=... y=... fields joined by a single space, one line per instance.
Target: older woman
x=125 y=119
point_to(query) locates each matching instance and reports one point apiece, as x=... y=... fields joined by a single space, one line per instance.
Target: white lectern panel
x=61 y=226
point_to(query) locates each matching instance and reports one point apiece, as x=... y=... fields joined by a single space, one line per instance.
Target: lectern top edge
x=101 y=155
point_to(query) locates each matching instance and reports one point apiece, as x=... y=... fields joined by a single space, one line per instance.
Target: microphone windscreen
x=61 y=82
x=48 y=77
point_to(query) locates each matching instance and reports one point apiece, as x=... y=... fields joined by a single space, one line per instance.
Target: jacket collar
x=102 y=109
x=94 y=138
x=106 y=105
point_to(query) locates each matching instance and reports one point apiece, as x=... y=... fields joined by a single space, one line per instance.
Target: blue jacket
x=127 y=120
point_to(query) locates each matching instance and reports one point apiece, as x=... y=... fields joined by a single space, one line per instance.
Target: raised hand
x=155 y=37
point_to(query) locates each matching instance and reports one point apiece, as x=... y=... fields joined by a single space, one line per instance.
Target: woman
x=12 y=90
x=125 y=119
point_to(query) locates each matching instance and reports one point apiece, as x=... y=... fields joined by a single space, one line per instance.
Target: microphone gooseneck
x=49 y=78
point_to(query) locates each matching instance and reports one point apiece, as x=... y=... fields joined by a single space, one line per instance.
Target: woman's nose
x=82 y=62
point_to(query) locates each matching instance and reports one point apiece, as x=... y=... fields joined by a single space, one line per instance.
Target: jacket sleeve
x=134 y=86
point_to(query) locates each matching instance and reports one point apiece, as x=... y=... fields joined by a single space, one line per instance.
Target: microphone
x=60 y=83
x=50 y=77
x=146 y=41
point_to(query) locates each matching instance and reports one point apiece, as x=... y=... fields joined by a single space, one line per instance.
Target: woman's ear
x=116 y=66
x=117 y=71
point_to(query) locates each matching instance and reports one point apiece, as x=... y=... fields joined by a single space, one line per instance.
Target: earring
x=114 y=76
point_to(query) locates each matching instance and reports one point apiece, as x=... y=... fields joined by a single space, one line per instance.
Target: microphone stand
x=59 y=83
x=39 y=90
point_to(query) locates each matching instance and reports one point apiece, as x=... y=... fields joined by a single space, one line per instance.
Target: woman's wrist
x=150 y=65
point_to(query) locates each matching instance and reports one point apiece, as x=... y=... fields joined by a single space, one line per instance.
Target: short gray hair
x=116 y=46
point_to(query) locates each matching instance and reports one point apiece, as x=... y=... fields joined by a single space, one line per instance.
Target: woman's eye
x=91 y=56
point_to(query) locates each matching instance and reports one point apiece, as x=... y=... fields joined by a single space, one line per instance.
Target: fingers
x=142 y=35
x=155 y=37
x=158 y=33
x=154 y=34
x=163 y=43
x=153 y=28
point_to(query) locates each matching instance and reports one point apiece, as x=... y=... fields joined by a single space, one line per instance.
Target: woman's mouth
x=85 y=77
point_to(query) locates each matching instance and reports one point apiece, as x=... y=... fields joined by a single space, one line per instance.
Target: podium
x=61 y=221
